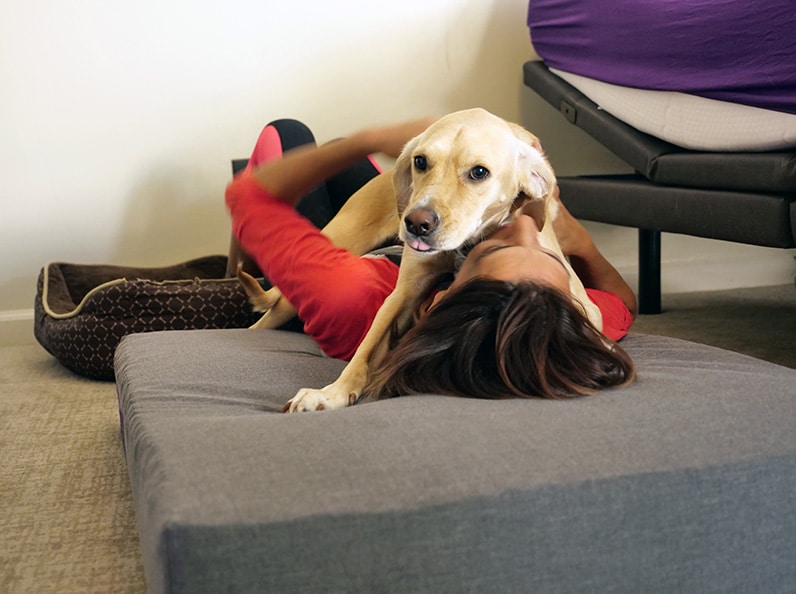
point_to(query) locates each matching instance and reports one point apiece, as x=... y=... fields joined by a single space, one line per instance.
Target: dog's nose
x=421 y=222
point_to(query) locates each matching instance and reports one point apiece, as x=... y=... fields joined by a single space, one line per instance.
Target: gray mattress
x=682 y=482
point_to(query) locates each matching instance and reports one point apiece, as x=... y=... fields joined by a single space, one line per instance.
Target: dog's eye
x=479 y=173
x=421 y=164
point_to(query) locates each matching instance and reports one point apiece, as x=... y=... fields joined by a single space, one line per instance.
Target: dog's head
x=464 y=176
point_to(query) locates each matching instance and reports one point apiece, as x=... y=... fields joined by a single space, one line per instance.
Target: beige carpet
x=66 y=517
x=66 y=514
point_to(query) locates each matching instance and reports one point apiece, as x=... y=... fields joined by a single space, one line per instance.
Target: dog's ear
x=402 y=176
x=534 y=175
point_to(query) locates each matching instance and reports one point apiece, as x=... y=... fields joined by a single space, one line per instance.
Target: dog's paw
x=265 y=301
x=309 y=399
x=279 y=314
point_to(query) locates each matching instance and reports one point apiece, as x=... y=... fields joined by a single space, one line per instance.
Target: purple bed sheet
x=731 y=50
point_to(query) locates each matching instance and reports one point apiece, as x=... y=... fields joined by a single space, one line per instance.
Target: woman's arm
x=304 y=168
x=594 y=271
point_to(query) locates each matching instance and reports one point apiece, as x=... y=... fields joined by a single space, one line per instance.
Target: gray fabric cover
x=682 y=482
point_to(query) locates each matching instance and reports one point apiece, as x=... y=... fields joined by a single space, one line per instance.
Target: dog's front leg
x=346 y=389
x=414 y=279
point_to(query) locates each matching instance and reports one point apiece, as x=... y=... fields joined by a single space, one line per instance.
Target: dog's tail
x=260 y=299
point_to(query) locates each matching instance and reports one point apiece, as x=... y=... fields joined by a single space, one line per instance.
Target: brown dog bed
x=83 y=311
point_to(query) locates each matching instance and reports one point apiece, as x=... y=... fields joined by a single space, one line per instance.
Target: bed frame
x=742 y=197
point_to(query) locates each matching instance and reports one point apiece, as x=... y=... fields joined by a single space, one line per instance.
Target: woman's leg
x=343 y=185
x=275 y=139
x=279 y=137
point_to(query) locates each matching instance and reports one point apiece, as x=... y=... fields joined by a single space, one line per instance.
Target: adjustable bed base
x=741 y=197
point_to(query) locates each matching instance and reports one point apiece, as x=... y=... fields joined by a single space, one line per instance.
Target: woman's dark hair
x=495 y=339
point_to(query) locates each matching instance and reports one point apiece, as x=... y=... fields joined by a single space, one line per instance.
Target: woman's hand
x=392 y=139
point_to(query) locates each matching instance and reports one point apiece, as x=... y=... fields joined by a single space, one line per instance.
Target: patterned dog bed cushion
x=83 y=311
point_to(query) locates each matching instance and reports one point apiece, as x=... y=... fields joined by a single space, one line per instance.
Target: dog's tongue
x=419 y=245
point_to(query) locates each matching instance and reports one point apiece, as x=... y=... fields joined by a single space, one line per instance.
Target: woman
x=504 y=327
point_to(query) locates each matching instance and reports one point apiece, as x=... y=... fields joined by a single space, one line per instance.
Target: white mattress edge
x=689 y=121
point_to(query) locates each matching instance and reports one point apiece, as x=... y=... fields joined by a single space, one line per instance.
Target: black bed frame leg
x=649 y=271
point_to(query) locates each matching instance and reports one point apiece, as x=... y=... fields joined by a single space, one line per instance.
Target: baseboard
x=695 y=264
x=680 y=276
x=696 y=277
x=16 y=327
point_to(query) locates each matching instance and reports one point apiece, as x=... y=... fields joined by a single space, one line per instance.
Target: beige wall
x=118 y=119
